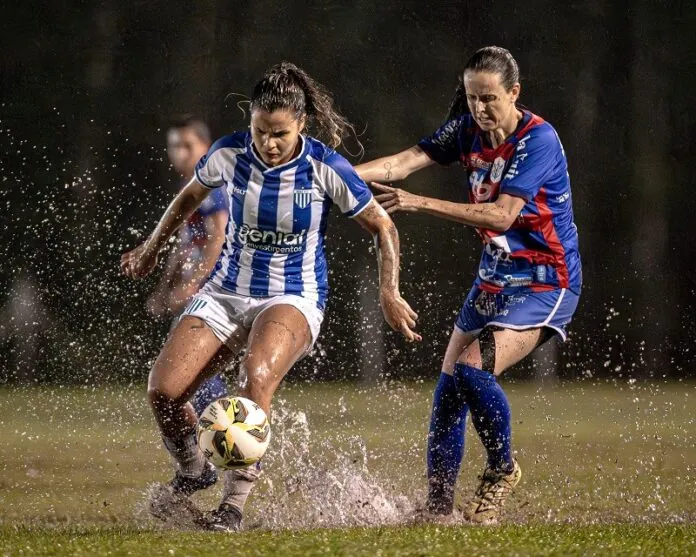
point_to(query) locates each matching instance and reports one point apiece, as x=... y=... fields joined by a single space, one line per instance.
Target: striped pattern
x=278 y=216
x=195 y=305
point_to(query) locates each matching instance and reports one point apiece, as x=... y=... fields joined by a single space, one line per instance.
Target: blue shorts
x=530 y=310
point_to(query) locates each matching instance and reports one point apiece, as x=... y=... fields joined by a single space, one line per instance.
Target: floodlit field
x=607 y=468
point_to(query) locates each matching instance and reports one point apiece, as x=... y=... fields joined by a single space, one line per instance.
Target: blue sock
x=209 y=391
x=445 y=444
x=490 y=413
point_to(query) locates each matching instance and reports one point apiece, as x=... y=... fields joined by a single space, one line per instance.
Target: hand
x=399 y=315
x=396 y=199
x=138 y=263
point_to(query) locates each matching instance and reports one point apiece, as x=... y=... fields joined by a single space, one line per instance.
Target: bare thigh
x=191 y=354
x=510 y=347
x=279 y=337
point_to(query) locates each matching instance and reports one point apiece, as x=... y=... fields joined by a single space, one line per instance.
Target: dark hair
x=198 y=126
x=287 y=87
x=493 y=59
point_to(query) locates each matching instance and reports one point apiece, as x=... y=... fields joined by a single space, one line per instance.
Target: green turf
x=606 y=469
x=403 y=541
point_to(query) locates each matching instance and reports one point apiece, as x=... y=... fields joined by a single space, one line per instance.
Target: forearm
x=394 y=167
x=481 y=215
x=385 y=169
x=387 y=244
x=176 y=214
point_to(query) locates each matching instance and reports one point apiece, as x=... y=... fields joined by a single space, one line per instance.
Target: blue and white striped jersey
x=278 y=215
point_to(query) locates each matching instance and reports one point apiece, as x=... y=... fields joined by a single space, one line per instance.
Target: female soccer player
x=529 y=276
x=269 y=287
x=199 y=243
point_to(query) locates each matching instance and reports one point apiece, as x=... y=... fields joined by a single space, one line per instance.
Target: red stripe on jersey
x=533 y=121
x=549 y=232
x=490 y=288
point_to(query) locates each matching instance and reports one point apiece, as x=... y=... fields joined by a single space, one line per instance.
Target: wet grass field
x=607 y=468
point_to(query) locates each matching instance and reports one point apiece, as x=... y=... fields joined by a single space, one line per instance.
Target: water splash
x=306 y=488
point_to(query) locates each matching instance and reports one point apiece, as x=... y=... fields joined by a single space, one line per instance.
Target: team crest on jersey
x=302 y=198
x=497 y=170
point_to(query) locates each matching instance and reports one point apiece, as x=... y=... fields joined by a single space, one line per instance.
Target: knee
x=257 y=384
x=481 y=354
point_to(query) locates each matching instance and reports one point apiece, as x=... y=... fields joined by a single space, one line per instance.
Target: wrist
x=388 y=291
x=150 y=248
x=423 y=203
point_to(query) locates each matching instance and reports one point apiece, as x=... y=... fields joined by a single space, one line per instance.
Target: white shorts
x=232 y=315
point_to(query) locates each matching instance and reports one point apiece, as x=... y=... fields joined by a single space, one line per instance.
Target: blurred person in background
x=268 y=291
x=529 y=277
x=198 y=244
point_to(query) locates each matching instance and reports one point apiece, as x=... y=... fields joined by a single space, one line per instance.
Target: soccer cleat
x=170 y=501
x=493 y=491
x=185 y=485
x=227 y=518
x=440 y=497
x=426 y=516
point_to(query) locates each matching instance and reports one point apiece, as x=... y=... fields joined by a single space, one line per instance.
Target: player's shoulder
x=327 y=157
x=540 y=129
x=237 y=141
x=539 y=134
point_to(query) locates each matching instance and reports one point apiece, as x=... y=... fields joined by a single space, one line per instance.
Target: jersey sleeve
x=211 y=168
x=345 y=188
x=535 y=160
x=215 y=202
x=444 y=146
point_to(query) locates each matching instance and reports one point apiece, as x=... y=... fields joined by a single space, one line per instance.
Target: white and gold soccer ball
x=233 y=432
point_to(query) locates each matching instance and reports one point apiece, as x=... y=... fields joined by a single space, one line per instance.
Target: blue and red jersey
x=539 y=252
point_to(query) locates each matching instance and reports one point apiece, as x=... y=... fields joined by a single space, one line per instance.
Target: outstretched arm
x=499 y=215
x=396 y=310
x=394 y=167
x=139 y=262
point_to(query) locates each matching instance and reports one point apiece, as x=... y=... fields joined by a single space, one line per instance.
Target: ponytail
x=285 y=86
x=458 y=104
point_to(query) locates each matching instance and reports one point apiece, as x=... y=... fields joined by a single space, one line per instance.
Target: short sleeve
x=534 y=163
x=343 y=185
x=210 y=170
x=444 y=146
x=215 y=202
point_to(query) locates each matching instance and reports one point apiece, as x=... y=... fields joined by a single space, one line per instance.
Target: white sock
x=184 y=451
x=238 y=485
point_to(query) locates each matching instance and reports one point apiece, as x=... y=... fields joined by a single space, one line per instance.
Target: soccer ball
x=233 y=432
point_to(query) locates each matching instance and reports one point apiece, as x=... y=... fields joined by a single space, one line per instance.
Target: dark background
x=88 y=88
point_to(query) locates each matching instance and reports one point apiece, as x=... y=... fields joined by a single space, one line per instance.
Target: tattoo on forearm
x=388 y=172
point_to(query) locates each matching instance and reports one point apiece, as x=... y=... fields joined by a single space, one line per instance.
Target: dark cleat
x=171 y=502
x=227 y=518
x=185 y=485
